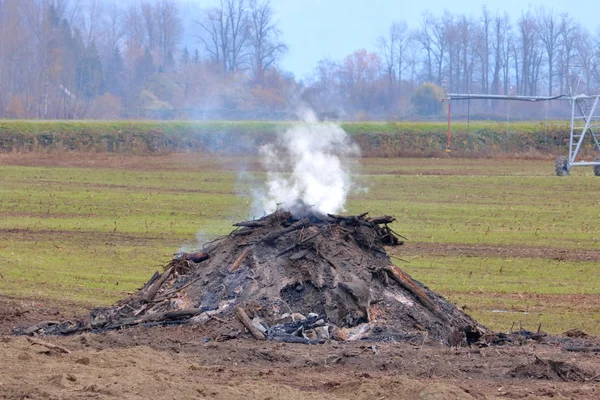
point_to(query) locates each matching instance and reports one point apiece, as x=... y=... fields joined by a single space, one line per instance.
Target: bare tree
x=500 y=30
x=91 y=15
x=529 y=53
x=263 y=39
x=425 y=38
x=585 y=51
x=486 y=21
x=569 y=33
x=113 y=30
x=168 y=29
x=387 y=50
x=402 y=43
x=149 y=21
x=226 y=33
x=135 y=31
x=549 y=30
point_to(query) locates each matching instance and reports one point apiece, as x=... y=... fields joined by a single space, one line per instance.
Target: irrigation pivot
x=585 y=122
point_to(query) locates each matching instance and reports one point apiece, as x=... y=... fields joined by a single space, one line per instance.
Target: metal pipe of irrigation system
x=469 y=96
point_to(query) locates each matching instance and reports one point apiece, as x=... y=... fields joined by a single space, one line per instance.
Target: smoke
x=308 y=168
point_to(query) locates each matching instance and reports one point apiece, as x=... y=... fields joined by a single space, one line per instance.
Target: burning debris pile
x=296 y=279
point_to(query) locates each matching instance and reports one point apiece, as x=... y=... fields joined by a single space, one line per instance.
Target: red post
x=448 y=145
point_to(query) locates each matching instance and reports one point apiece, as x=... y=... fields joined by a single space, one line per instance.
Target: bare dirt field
x=220 y=361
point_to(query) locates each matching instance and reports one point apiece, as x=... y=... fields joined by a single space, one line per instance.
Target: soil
x=182 y=362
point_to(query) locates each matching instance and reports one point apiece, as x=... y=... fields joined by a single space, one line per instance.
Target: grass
x=97 y=226
x=242 y=137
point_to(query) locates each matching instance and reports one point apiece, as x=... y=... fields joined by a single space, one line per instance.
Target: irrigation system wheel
x=597 y=167
x=561 y=166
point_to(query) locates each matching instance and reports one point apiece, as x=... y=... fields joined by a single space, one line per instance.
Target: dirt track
x=183 y=363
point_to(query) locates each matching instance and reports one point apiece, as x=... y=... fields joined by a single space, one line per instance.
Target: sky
x=317 y=29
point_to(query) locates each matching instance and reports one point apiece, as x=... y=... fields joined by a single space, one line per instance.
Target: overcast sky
x=315 y=29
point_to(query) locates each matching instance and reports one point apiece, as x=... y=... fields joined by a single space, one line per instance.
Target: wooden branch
x=243 y=317
x=48 y=345
x=292 y=247
x=270 y=237
x=244 y=232
x=251 y=224
x=238 y=261
x=152 y=290
x=385 y=219
x=409 y=284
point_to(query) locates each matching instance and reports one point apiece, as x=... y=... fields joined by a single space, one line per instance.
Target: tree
x=168 y=29
x=529 y=54
x=569 y=34
x=359 y=75
x=225 y=30
x=263 y=39
x=185 y=57
x=387 y=49
x=427 y=99
x=549 y=29
x=486 y=20
x=500 y=29
x=114 y=78
x=89 y=77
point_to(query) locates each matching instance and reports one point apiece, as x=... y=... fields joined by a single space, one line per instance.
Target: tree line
x=72 y=59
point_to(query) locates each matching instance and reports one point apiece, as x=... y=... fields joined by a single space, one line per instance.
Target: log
x=407 y=283
x=270 y=237
x=239 y=260
x=251 y=224
x=152 y=290
x=385 y=219
x=243 y=317
x=195 y=257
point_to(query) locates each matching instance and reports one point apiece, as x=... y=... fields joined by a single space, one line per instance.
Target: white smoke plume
x=308 y=169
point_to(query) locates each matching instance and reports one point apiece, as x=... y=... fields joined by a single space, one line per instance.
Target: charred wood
x=240 y=259
x=252 y=224
x=196 y=257
x=154 y=288
x=245 y=320
x=270 y=237
x=407 y=283
x=385 y=219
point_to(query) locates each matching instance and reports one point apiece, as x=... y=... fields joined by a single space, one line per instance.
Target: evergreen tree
x=144 y=68
x=89 y=72
x=114 y=77
x=185 y=57
x=196 y=57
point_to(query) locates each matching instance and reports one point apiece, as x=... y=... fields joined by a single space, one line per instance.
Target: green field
x=505 y=239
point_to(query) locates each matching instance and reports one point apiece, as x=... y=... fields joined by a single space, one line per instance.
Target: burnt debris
x=306 y=280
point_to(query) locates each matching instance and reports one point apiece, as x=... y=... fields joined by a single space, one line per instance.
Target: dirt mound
x=298 y=280
x=550 y=370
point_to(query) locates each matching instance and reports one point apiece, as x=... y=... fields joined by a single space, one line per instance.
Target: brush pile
x=308 y=280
